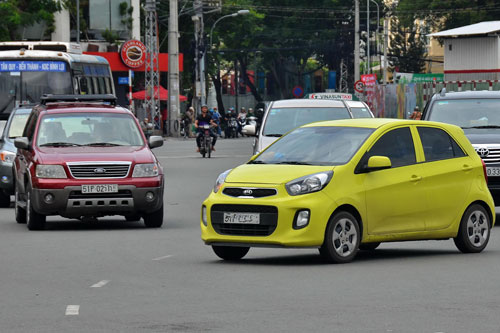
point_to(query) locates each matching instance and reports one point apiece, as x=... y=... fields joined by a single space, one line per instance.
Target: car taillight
x=484 y=171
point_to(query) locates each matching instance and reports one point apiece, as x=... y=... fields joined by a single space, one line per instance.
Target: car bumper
x=6 y=179
x=277 y=215
x=70 y=202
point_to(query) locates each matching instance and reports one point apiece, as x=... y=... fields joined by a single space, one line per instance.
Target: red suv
x=84 y=157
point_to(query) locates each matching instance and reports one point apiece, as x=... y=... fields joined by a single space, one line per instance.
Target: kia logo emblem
x=99 y=170
x=247 y=192
x=483 y=152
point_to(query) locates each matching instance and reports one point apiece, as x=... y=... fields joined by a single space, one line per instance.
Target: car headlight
x=145 y=170
x=7 y=156
x=308 y=184
x=50 y=171
x=220 y=180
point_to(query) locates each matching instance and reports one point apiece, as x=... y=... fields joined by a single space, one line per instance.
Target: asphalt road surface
x=117 y=276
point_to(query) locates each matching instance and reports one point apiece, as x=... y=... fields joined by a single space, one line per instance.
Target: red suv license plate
x=100 y=188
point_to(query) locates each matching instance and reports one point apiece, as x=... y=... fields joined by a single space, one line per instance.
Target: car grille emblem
x=247 y=192
x=99 y=170
x=483 y=152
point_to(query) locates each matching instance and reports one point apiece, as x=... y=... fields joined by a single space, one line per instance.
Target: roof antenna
x=443 y=92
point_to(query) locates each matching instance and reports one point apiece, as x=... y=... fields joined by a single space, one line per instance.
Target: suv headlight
x=220 y=180
x=50 y=171
x=7 y=156
x=145 y=170
x=308 y=184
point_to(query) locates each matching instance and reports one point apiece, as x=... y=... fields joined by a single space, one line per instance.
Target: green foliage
x=407 y=48
x=110 y=36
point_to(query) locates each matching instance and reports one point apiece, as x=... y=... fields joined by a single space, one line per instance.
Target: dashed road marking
x=100 y=284
x=72 y=310
x=164 y=257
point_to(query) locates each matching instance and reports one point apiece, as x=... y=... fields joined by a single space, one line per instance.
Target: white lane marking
x=72 y=310
x=100 y=284
x=164 y=257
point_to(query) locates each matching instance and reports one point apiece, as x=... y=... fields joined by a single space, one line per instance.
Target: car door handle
x=466 y=167
x=415 y=178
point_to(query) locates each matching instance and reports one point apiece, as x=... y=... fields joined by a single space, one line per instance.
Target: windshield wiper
x=275 y=135
x=107 y=144
x=257 y=162
x=484 y=126
x=294 y=163
x=59 y=144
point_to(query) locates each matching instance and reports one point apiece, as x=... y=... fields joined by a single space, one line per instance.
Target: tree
x=407 y=49
x=23 y=13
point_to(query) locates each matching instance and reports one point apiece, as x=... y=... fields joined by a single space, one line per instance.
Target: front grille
x=99 y=170
x=249 y=192
x=267 y=225
x=493 y=155
x=120 y=194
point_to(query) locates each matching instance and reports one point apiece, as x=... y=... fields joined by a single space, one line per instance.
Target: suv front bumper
x=71 y=203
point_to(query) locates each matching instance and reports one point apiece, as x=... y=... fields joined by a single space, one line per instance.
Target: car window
x=280 y=121
x=361 y=112
x=17 y=125
x=438 y=145
x=467 y=112
x=2 y=126
x=397 y=145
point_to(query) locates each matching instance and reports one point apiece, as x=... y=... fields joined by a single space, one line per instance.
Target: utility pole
x=199 y=95
x=152 y=74
x=356 y=40
x=78 y=21
x=173 y=68
x=386 y=45
x=368 y=69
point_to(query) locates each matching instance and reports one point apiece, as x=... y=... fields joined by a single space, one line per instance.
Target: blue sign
x=298 y=91
x=32 y=66
x=332 y=80
x=123 y=80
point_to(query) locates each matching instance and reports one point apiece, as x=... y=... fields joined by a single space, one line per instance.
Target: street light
x=239 y=12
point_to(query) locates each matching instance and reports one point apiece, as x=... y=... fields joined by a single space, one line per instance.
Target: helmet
x=204 y=106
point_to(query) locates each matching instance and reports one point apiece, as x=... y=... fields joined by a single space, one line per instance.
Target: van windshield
x=281 y=120
x=467 y=113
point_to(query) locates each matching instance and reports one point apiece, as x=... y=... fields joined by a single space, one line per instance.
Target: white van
x=284 y=115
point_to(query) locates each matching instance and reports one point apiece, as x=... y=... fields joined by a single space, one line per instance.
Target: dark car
x=478 y=114
x=84 y=157
x=13 y=128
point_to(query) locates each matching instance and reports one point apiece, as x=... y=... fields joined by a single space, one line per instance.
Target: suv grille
x=99 y=170
x=267 y=225
x=249 y=192
x=489 y=154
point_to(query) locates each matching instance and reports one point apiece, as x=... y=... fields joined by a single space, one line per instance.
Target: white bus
x=30 y=69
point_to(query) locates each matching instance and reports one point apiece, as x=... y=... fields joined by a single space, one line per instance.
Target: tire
x=342 y=238
x=154 y=219
x=4 y=199
x=230 y=252
x=368 y=246
x=203 y=154
x=474 y=231
x=208 y=144
x=18 y=210
x=34 y=220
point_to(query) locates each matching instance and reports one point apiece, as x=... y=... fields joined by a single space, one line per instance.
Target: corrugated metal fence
x=399 y=100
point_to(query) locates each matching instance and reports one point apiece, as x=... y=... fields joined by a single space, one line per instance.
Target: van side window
x=438 y=145
x=397 y=145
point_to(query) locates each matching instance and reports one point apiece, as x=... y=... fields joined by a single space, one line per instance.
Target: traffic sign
x=298 y=91
x=359 y=86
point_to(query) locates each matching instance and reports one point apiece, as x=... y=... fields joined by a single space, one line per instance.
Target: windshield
x=361 y=112
x=315 y=146
x=467 y=112
x=280 y=121
x=89 y=129
x=17 y=125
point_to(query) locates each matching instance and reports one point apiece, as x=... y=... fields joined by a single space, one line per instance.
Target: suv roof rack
x=50 y=98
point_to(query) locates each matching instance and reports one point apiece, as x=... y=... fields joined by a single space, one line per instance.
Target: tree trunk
x=249 y=83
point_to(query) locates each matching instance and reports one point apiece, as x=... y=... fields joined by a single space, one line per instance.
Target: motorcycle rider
x=242 y=118
x=203 y=119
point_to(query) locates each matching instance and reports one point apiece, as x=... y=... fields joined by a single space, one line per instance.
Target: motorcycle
x=232 y=128
x=206 y=141
x=183 y=129
x=241 y=122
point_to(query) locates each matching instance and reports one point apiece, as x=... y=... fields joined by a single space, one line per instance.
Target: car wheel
x=368 y=246
x=474 y=231
x=342 y=239
x=4 y=199
x=34 y=220
x=154 y=219
x=18 y=210
x=230 y=252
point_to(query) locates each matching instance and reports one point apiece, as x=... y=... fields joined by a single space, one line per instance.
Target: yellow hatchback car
x=348 y=185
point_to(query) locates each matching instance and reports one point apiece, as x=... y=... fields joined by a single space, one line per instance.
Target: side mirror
x=248 y=130
x=155 y=141
x=378 y=163
x=22 y=143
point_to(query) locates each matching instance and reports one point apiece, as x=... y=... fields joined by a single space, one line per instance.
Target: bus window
x=108 y=85
x=102 y=85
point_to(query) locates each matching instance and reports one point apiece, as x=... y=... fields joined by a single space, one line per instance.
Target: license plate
x=242 y=218
x=493 y=171
x=100 y=188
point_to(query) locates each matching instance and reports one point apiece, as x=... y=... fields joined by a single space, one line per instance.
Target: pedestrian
x=147 y=127
x=216 y=117
x=190 y=115
x=416 y=115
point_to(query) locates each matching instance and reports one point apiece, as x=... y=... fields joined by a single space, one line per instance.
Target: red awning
x=163 y=95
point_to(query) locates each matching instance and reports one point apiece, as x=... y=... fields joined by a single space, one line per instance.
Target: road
x=116 y=276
